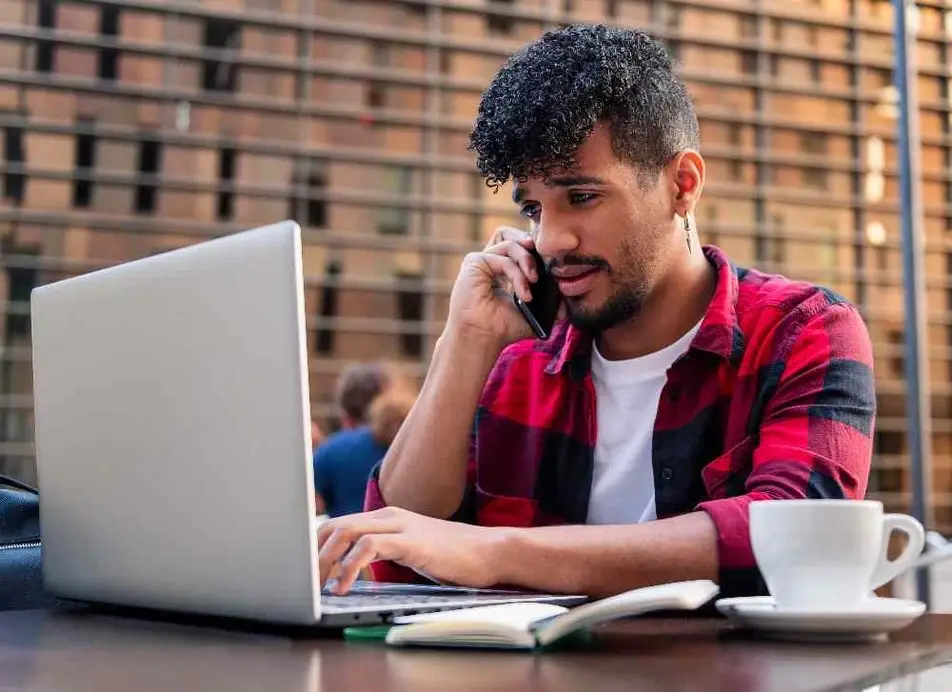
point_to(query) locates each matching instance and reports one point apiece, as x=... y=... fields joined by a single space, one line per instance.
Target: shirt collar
x=719 y=333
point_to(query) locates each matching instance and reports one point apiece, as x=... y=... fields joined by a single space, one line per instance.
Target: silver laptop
x=173 y=440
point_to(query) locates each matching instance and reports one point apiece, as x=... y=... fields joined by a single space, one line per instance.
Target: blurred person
x=625 y=449
x=373 y=403
x=317 y=436
x=359 y=384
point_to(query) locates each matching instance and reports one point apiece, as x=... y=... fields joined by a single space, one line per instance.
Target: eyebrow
x=518 y=194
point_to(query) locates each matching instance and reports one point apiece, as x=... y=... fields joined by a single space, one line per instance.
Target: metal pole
x=913 y=258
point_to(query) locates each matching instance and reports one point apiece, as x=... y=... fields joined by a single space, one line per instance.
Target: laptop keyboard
x=362 y=600
x=388 y=596
x=393 y=596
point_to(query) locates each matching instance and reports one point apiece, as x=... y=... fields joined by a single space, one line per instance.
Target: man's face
x=604 y=233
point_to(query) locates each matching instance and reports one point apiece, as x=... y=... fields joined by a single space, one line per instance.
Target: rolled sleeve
x=814 y=441
x=385 y=570
x=373 y=499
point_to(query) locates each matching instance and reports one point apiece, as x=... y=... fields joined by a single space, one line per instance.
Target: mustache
x=579 y=261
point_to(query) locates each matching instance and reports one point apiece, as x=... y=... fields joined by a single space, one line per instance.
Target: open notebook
x=539 y=625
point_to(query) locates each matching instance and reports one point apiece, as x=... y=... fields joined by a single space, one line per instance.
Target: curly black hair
x=547 y=98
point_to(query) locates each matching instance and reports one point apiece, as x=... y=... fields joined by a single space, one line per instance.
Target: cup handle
x=887 y=569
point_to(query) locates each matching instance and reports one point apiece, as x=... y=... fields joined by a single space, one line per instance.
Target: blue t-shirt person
x=342 y=466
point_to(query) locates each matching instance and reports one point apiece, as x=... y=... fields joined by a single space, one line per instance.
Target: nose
x=554 y=237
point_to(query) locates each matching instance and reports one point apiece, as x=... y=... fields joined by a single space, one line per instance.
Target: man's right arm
x=424 y=470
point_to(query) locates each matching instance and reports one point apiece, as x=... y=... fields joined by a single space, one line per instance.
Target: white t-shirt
x=627 y=393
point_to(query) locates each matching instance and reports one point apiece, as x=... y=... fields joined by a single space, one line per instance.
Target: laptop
x=173 y=446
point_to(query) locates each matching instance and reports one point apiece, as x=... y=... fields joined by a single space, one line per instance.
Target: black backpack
x=21 y=573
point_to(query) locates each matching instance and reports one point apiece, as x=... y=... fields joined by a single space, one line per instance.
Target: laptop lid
x=173 y=432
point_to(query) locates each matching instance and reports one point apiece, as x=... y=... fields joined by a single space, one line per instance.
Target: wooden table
x=83 y=651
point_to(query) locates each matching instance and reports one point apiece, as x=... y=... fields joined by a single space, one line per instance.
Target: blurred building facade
x=130 y=128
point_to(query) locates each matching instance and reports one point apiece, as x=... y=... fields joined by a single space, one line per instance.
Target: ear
x=686 y=176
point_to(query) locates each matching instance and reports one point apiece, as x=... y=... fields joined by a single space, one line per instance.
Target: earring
x=687 y=232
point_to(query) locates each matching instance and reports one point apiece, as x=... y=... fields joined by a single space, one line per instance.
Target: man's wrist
x=473 y=346
x=504 y=552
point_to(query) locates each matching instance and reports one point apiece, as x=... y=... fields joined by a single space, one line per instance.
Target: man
x=358 y=386
x=624 y=450
x=342 y=463
x=317 y=435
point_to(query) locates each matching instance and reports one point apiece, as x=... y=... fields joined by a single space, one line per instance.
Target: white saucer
x=873 y=619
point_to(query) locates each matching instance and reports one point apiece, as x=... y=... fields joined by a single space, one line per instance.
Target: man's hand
x=446 y=551
x=481 y=302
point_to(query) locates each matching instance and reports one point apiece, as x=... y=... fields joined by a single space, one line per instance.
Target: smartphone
x=541 y=311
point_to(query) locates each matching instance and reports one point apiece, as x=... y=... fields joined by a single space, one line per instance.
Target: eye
x=530 y=211
x=581 y=198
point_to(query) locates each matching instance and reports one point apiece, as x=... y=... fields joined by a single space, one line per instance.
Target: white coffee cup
x=828 y=554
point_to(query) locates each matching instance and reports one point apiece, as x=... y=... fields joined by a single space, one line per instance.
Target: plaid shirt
x=773 y=399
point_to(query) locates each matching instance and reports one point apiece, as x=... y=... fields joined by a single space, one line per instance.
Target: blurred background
x=131 y=128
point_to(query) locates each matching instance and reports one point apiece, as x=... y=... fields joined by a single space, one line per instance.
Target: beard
x=624 y=304
x=630 y=278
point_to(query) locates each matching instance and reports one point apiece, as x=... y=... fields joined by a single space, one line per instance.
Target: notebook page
x=516 y=615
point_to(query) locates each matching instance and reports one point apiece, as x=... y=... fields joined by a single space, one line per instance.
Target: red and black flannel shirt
x=774 y=399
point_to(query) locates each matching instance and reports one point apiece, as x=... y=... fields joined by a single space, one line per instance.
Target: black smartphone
x=541 y=311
